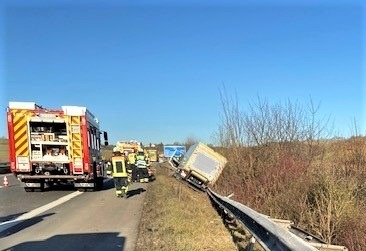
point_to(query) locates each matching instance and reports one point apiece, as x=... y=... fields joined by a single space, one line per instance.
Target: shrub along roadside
x=284 y=161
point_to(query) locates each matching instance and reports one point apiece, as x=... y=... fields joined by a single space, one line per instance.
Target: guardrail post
x=251 y=243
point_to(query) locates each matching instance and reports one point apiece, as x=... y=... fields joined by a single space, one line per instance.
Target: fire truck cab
x=49 y=146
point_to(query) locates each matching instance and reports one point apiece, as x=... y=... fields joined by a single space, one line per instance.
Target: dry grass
x=107 y=152
x=4 y=152
x=177 y=218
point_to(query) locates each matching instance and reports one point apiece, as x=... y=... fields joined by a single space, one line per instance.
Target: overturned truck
x=201 y=166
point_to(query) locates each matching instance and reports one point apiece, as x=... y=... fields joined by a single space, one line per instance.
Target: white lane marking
x=7 y=224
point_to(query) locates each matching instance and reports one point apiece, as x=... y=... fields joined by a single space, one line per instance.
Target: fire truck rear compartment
x=54 y=146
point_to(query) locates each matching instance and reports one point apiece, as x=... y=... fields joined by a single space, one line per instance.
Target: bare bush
x=353 y=231
x=331 y=203
x=282 y=163
x=352 y=156
x=261 y=138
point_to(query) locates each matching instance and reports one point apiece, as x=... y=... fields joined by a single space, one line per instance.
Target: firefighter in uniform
x=132 y=162
x=142 y=166
x=121 y=173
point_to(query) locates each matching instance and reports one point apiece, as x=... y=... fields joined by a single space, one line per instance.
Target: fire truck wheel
x=99 y=184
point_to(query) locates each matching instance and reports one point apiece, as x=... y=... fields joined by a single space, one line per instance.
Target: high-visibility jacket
x=141 y=164
x=119 y=166
x=140 y=156
x=132 y=158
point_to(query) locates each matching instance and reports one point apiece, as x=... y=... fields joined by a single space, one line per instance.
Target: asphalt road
x=68 y=219
x=14 y=201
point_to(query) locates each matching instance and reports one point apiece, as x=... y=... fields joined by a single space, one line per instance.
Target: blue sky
x=152 y=70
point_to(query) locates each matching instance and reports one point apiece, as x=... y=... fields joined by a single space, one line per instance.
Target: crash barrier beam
x=268 y=233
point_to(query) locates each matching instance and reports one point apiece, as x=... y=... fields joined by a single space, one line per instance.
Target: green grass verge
x=177 y=218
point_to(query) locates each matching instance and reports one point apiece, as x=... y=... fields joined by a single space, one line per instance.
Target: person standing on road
x=132 y=164
x=142 y=167
x=120 y=172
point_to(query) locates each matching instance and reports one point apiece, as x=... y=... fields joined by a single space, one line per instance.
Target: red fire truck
x=55 y=146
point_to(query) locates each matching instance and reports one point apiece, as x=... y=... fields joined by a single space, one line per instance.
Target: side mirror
x=105 y=135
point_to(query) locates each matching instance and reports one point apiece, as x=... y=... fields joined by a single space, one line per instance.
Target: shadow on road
x=108 y=184
x=60 y=187
x=12 y=227
x=87 y=241
x=10 y=217
x=134 y=192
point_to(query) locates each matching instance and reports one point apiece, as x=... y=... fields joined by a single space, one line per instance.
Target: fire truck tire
x=99 y=183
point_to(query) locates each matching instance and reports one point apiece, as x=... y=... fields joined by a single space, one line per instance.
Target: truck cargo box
x=153 y=155
x=201 y=166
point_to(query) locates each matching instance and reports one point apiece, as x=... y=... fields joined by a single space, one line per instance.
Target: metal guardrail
x=4 y=167
x=268 y=232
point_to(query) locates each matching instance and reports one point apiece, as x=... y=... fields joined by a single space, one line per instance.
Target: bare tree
x=190 y=141
x=231 y=131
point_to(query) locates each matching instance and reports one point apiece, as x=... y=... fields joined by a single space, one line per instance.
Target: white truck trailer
x=200 y=166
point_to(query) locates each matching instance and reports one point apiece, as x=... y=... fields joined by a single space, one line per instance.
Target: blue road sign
x=169 y=151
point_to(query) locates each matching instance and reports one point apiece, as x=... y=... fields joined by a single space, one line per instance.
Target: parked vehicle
x=48 y=146
x=153 y=155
